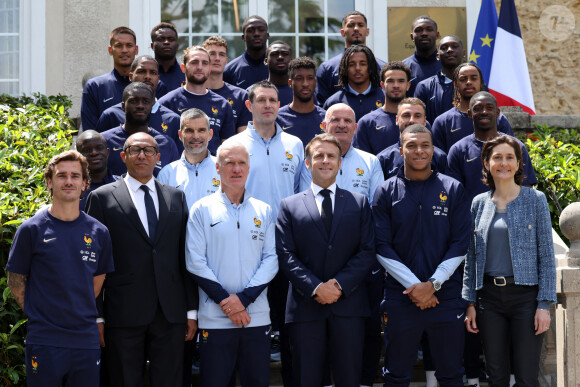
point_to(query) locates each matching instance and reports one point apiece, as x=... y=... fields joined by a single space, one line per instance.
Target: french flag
x=509 y=79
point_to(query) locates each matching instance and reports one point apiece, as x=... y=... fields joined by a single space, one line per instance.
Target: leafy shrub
x=554 y=154
x=32 y=130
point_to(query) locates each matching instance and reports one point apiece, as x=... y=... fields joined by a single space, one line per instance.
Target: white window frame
x=32 y=45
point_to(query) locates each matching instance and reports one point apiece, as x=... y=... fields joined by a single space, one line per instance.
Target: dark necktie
x=326 y=213
x=151 y=213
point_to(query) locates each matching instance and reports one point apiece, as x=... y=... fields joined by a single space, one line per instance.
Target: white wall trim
x=143 y=15
x=32 y=47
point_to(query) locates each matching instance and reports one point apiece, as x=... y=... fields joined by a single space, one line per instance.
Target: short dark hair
x=353 y=13
x=191 y=49
x=71 y=155
x=247 y=21
x=322 y=137
x=264 y=84
x=136 y=86
x=140 y=59
x=412 y=101
x=456 y=95
x=450 y=36
x=371 y=62
x=301 y=63
x=193 y=113
x=416 y=128
x=161 y=26
x=486 y=155
x=482 y=94
x=122 y=30
x=425 y=17
x=395 y=65
x=277 y=42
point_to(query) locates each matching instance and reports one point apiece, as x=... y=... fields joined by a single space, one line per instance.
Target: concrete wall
x=77 y=36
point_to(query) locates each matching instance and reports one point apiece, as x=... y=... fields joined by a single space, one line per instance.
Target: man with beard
x=355 y=31
x=137 y=103
x=455 y=124
x=359 y=81
x=164 y=44
x=145 y=69
x=464 y=158
x=106 y=90
x=278 y=56
x=249 y=68
x=302 y=118
x=437 y=91
x=93 y=146
x=196 y=65
x=378 y=130
x=423 y=63
x=218 y=53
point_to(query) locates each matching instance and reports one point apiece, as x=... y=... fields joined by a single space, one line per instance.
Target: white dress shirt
x=138 y=197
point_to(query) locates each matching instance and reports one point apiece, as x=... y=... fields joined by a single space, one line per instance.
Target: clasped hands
x=235 y=310
x=328 y=292
x=422 y=295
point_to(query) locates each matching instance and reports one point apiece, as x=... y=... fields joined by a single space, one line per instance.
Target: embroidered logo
x=164 y=127
x=214 y=110
x=34 y=364
x=231 y=101
x=257 y=222
x=216 y=183
x=204 y=335
x=289 y=156
x=360 y=172
x=88 y=240
x=443 y=197
x=379 y=103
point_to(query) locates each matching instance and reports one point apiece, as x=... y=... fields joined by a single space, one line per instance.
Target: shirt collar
x=206 y=91
x=134 y=184
x=368 y=90
x=193 y=166
x=316 y=188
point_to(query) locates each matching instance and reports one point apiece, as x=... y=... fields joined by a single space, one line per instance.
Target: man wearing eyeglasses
x=149 y=305
x=138 y=100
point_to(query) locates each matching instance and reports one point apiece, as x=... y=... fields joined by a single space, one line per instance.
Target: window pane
x=335 y=46
x=9 y=57
x=204 y=16
x=9 y=19
x=236 y=46
x=229 y=15
x=313 y=46
x=9 y=88
x=281 y=16
x=175 y=12
x=311 y=15
x=336 y=11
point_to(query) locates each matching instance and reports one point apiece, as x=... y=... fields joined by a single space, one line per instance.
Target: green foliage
x=554 y=154
x=32 y=130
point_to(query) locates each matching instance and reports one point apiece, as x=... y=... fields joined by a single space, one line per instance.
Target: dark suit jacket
x=309 y=256
x=146 y=272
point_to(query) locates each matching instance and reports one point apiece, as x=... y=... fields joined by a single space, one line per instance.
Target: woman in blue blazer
x=510 y=273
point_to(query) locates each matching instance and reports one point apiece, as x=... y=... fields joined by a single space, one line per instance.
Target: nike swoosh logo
x=108 y=99
x=48 y=240
x=116 y=149
x=239 y=83
x=392 y=170
x=459 y=316
x=470 y=160
x=180 y=110
x=380 y=127
x=376 y=271
x=213 y=224
x=267 y=332
x=286 y=127
x=455 y=130
x=98 y=362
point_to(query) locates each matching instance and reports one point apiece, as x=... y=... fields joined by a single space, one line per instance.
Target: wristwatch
x=436 y=284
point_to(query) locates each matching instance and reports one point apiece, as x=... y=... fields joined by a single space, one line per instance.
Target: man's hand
x=328 y=292
x=420 y=293
x=470 y=323
x=232 y=305
x=241 y=318
x=101 y=327
x=190 y=329
x=430 y=303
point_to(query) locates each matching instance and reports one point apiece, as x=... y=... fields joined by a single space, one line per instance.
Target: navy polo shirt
x=100 y=93
x=217 y=108
x=244 y=71
x=302 y=125
x=361 y=103
x=116 y=138
x=437 y=94
x=172 y=79
x=237 y=98
x=421 y=68
x=392 y=161
x=327 y=77
x=376 y=131
x=464 y=164
x=453 y=125
x=285 y=95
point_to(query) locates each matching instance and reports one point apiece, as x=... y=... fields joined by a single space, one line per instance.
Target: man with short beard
x=196 y=65
x=278 y=57
x=164 y=44
x=302 y=118
x=137 y=102
x=145 y=69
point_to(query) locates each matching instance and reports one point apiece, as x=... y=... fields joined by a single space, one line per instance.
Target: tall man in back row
x=56 y=267
x=422 y=224
x=423 y=63
x=325 y=245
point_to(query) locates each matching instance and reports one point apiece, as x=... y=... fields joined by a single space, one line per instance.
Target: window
x=9 y=47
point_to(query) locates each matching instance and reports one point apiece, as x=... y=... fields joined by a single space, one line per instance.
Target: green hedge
x=32 y=130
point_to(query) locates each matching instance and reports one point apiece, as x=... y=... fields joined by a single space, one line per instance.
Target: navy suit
x=309 y=256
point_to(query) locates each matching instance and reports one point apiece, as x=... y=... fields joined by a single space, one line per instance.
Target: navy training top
x=302 y=125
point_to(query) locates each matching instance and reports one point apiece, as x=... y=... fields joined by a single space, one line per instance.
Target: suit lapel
x=164 y=205
x=337 y=211
x=122 y=196
x=310 y=204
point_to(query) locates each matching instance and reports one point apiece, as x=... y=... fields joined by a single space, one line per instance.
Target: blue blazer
x=309 y=256
x=530 y=238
